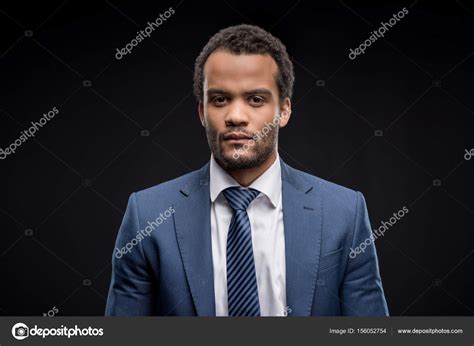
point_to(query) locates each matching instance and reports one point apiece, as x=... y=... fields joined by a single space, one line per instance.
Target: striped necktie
x=242 y=292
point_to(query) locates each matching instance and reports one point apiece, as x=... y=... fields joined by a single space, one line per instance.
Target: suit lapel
x=193 y=231
x=302 y=219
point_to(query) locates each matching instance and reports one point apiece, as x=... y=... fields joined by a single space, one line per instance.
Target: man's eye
x=219 y=100
x=256 y=100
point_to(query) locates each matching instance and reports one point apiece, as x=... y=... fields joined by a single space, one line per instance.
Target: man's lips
x=236 y=137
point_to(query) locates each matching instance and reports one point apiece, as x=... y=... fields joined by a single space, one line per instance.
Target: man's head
x=243 y=81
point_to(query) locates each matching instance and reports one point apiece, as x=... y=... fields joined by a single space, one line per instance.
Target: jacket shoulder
x=169 y=190
x=334 y=195
x=329 y=185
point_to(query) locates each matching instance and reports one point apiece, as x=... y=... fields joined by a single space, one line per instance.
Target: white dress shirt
x=268 y=240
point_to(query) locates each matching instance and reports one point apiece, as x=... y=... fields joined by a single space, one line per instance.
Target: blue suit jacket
x=170 y=271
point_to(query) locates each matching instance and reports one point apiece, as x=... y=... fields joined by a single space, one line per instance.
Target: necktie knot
x=239 y=199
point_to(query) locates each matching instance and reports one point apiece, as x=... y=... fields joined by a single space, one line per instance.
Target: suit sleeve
x=131 y=291
x=361 y=291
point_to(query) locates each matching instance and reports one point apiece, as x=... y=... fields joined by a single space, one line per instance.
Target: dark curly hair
x=247 y=39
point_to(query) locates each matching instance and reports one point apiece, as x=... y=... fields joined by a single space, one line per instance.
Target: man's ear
x=285 y=112
x=201 y=113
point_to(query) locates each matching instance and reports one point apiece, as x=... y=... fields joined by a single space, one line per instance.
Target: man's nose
x=237 y=114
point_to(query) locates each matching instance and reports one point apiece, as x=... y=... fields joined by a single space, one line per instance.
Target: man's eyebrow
x=259 y=91
x=214 y=91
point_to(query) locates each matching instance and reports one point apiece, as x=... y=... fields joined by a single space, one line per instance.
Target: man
x=245 y=235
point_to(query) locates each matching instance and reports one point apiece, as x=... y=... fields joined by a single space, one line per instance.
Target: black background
x=64 y=192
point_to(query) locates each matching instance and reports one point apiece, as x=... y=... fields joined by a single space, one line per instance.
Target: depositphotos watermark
x=52 y=312
x=141 y=234
x=256 y=137
x=469 y=154
x=286 y=311
x=142 y=34
x=26 y=134
x=376 y=34
x=379 y=232
x=21 y=331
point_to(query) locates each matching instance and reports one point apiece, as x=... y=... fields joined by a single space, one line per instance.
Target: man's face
x=240 y=109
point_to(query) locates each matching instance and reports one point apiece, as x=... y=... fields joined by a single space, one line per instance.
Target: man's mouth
x=236 y=138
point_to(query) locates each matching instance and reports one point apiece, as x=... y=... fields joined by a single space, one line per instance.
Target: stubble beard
x=255 y=156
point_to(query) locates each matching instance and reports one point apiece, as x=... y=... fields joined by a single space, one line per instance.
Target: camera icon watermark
x=20 y=331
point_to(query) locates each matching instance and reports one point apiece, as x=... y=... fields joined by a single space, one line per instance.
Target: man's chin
x=237 y=160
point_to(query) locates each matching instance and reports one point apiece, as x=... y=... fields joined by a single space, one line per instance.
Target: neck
x=245 y=177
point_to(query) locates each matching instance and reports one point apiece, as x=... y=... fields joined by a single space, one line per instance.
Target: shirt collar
x=268 y=183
